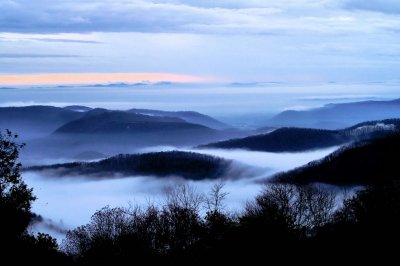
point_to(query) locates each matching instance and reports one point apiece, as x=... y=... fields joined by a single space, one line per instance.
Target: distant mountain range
x=55 y=132
x=109 y=132
x=188 y=165
x=70 y=131
x=188 y=116
x=370 y=162
x=120 y=84
x=78 y=108
x=301 y=139
x=101 y=121
x=40 y=121
x=335 y=116
x=35 y=121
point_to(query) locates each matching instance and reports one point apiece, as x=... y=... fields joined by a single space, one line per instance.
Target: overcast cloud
x=293 y=40
x=233 y=17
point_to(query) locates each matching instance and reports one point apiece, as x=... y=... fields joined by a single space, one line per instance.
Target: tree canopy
x=15 y=196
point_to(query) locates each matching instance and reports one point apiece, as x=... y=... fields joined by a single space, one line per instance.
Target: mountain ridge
x=338 y=115
x=300 y=139
x=188 y=116
x=36 y=120
x=368 y=162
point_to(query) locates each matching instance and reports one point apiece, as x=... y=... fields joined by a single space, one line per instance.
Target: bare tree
x=184 y=196
x=314 y=206
x=181 y=223
x=303 y=208
x=105 y=228
x=215 y=198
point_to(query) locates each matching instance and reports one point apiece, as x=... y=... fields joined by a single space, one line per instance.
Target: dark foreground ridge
x=365 y=163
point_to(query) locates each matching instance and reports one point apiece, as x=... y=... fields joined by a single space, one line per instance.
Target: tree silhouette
x=15 y=196
x=15 y=209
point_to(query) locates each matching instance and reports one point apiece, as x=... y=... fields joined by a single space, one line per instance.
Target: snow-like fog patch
x=71 y=201
x=276 y=161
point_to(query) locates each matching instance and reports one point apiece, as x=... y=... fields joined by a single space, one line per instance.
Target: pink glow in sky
x=90 y=78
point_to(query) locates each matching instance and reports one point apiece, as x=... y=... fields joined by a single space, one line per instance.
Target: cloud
x=37 y=56
x=78 y=38
x=172 y=16
x=91 y=78
x=347 y=97
x=136 y=16
x=384 y=6
x=64 y=40
x=254 y=40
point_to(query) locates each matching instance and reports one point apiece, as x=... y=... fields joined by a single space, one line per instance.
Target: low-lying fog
x=69 y=202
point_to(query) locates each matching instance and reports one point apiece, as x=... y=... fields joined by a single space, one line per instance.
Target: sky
x=203 y=40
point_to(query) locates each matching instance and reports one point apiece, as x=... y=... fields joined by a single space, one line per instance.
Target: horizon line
x=104 y=78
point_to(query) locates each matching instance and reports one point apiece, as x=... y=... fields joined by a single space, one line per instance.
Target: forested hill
x=284 y=140
x=370 y=162
x=188 y=116
x=301 y=139
x=100 y=121
x=188 y=165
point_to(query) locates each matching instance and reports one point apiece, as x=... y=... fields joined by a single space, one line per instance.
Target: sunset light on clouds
x=91 y=78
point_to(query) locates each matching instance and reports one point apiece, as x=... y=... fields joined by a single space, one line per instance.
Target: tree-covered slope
x=188 y=165
x=370 y=162
x=301 y=139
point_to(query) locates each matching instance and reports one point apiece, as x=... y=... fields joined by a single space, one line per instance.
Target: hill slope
x=370 y=162
x=334 y=116
x=103 y=127
x=100 y=121
x=78 y=108
x=188 y=116
x=188 y=165
x=114 y=132
x=35 y=121
x=301 y=139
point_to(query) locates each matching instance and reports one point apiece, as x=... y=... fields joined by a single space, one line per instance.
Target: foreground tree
x=15 y=196
x=15 y=212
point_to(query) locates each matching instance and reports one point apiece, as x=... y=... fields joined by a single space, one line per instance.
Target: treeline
x=295 y=223
x=363 y=163
x=188 y=165
x=285 y=140
x=291 y=139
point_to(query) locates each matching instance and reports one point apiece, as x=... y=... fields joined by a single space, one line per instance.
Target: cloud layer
x=185 y=16
x=91 y=78
x=253 y=40
x=37 y=56
x=384 y=6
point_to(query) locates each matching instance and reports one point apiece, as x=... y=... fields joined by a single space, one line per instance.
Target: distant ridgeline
x=336 y=116
x=47 y=119
x=301 y=139
x=188 y=165
x=365 y=163
x=54 y=132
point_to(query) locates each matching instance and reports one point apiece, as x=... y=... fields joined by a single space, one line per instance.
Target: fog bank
x=71 y=201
